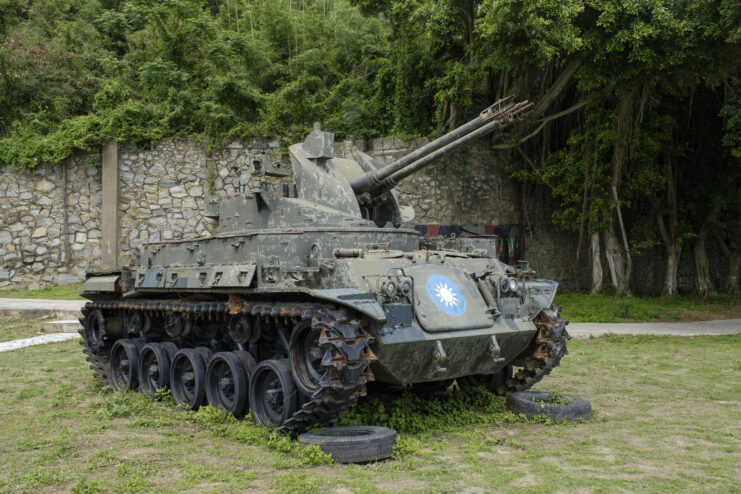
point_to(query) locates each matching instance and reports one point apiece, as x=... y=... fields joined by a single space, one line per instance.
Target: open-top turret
x=312 y=289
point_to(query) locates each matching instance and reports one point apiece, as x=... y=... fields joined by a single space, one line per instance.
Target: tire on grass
x=545 y=404
x=352 y=444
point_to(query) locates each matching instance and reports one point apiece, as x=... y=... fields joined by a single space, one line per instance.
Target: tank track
x=99 y=360
x=550 y=348
x=345 y=343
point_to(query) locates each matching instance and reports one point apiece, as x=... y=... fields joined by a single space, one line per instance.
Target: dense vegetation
x=637 y=128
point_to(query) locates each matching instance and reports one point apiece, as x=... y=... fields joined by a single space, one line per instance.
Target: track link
x=345 y=345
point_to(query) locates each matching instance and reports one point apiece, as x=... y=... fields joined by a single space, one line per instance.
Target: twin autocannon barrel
x=496 y=116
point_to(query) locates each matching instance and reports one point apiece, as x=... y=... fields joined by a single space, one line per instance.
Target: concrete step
x=61 y=326
x=36 y=308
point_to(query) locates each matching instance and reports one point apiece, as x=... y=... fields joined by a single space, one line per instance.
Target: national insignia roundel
x=446 y=295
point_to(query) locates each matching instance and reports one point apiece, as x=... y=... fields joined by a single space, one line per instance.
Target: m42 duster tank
x=311 y=290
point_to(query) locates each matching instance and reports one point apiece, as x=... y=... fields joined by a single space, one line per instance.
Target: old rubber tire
x=536 y=404
x=352 y=444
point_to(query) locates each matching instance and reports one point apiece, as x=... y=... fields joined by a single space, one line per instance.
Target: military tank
x=311 y=290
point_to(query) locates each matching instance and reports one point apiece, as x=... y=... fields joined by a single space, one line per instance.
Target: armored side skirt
x=409 y=354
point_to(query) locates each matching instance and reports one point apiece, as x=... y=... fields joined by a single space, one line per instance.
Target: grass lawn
x=667 y=419
x=57 y=292
x=12 y=328
x=582 y=307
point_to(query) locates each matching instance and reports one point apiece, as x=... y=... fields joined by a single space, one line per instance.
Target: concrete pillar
x=110 y=208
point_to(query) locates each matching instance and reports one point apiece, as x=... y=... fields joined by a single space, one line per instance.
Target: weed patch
x=411 y=414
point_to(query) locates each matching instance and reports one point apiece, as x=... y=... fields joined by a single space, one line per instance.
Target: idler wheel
x=95 y=331
x=306 y=358
x=272 y=393
x=124 y=365
x=188 y=378
x=227 y=383
x=154 y=367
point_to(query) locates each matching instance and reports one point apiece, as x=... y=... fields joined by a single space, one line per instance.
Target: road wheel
x=227 y=384
x=188 y=378
x=124 y=365
x=272 y=393
x=154 y=368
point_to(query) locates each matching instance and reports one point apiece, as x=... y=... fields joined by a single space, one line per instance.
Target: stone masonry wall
x=164 y=189
x=50 y=217
x=50 y=223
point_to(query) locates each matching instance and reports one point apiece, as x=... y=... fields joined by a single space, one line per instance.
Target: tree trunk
x=702 y=265
x=671 y=279
x=596 y=263
x=734 y=270
x=734 y=257
x=619 y=274
x=618 y=255
x=670 y=235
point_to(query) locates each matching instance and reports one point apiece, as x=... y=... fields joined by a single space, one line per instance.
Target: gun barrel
x=372 y=180
x=384 y=179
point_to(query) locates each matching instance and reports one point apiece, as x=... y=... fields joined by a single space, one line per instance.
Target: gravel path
x=698 y=328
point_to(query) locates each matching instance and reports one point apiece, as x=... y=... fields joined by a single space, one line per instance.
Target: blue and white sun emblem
x=446 y=295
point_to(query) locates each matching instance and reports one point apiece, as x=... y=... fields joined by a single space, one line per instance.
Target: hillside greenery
x=636 y=130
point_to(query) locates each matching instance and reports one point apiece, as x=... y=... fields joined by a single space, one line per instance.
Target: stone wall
x=49 y=223
x=50 y=217
x=50 y=229
x=164 y=189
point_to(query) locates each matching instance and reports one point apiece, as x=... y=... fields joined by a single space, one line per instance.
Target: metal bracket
x=440 y=358
x=495 y=350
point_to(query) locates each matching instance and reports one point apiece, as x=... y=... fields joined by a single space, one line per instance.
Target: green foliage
x=87 y=486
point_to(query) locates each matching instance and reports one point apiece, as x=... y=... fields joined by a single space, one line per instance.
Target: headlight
x=389 y=288
x=508 y=285
x=406 y=288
